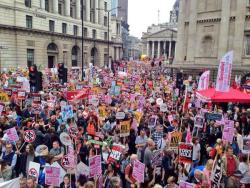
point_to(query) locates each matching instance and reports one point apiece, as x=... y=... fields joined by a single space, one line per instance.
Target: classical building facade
x=208 y=29
x=48 y=32
x=134 y=48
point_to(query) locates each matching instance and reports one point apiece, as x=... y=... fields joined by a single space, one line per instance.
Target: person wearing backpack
x=130 y=180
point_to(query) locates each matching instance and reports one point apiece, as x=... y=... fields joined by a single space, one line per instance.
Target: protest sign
x=62 y=171
x=73 y=132
x=116 y=152
x=184 y=184
x=1 y=108
x=228 y=131
x=213 y=116
x=82 y=169
x=163 y=107
x=124 y=128
x=93 y=99
x=159 y=101
x=21 y=94
x=246 y=145
x=138 y=171
x=117 y=90
x=152 y=122
x=67 y=112
x=102 y=111
x=185 y=153
x=175 y=139
x=68 y=161
x=120 y=115
x=157 y=158
x=36 y=98
x=29 y=136
x=34 y=169
x=52 y=176
x=14 y=183
x=95 y=167
x=138 y=116
x=107 y=99
x=198 y=121
x=12 y=134
x=8 y=92
x=65 y=139
x=4 y=98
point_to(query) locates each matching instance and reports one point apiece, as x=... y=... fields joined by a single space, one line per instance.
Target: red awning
x=233 y=95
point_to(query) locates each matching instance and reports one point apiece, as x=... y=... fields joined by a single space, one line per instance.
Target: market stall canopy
x=233 y=95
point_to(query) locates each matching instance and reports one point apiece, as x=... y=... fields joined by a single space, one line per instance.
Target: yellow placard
x=138 y=116
x=102 y=111
x=4 y=97
x=124 y=128
x=175 y=139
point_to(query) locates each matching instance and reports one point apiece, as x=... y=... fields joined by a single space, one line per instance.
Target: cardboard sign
x=157 y=158
x=82 y=169
x=152 y=122
x=246 y=145
x=52 y=176
x=73 y=132
x=138 y=171
x=213 y=116
x=4 y=98
x=65 y=139
x=198 y=121
x=95 y=167
x=228 y=131
x=185 y=153
x=34 y=169
x=120 y=115
x=29 y=136
x=124 y=128
x=68 y=161
x=175 y=139
x=12 y=134
x=21 y=94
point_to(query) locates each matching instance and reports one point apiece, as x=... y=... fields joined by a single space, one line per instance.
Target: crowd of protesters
x=215 y=162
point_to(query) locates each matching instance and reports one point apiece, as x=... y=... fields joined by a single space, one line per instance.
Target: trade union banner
x=224 y=73
x=185 y=153
x=204 y=81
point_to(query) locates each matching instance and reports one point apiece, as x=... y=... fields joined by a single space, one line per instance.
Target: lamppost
x=83 y=73
x=108 y=11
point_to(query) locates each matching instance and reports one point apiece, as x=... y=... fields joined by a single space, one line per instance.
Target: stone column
x=67 y=7
x=170 y=49
x=180 y=48
x=224 y=28
x=42 y=4
x=101 y=12
x=87 y=10
x=153 y=49
x=159 y=49
x=164 y=47
x=239 y=31
x=192 y=35
x=148 y=48
x=96 y=12
x=78 y=9
x=55 y=6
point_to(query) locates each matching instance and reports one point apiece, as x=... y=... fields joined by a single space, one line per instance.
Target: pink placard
x=138 y=171
x=52 y=176
x=95 y=166
x=228 y=131
x=186 y=185
x=12 y=134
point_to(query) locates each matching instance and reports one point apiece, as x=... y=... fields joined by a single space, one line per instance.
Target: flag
x=204 y=81
x=186 y=100
x=224 y=72
x=216 y=174
x=188 y=137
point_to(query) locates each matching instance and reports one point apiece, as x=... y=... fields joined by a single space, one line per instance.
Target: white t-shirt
x=243 y=167
x=196 y=151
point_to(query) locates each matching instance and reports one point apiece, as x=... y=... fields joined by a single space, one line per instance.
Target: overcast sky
x=143 y=13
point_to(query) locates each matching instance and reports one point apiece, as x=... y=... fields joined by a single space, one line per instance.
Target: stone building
x=208 y=29
x=47 y=32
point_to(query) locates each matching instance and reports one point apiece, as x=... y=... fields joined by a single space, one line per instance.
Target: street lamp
x=108 y=11
x=83 y=74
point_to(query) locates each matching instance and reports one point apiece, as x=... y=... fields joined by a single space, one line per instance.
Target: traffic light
x=62 y=73
x=33 y=78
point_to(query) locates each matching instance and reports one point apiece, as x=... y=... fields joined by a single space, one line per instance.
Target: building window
x=64 y=28
x=248 y=45
x=29 y=21
x=71 y=12
x=105 y=21
x=51 y=26
x=47 y=5
x=105 y=35
x=75 y=28
x=207 y=46
x=27 y=3
x=92 y=11
x=93 y=33
x=85 y=32
x=117 y=28
x=60 y=8
x=30 y=57
x=105 y=6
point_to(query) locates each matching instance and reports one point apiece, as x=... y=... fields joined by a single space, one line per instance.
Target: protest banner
x=67 y=112
x=120 y=115
x=213 y=116
x=198 y=121
x=95 y=167
x=157 y=158
x=82 y=169
x=184 y=184
x=12 y=134
x=228 y=131
x=175 y=139
x=185 y=153
x=152 y=122
x=124 y=128
x=34 y=169
x=52 y=176
x=246 y=145
x=65 y=139
x=29 y=136
x=116 y=152
x=138 y=171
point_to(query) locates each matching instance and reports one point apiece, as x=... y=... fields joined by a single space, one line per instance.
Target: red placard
x=29 y=136
x=185 y=153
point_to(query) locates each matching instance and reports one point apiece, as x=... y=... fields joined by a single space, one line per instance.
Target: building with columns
x=209 y=29
x=48 y=32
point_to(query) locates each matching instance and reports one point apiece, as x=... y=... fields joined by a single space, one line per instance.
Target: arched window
x=52 y=47
x=207 y=46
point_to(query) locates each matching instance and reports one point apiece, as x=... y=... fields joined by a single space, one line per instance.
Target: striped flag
x=216 y=174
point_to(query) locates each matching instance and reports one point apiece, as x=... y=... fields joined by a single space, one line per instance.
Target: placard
x=52 y=176
x=152 y=122
x=67 y=112
x=82 y=169
x=198 y=121
x=228 y=131
x=34 y=169
x=163 y=107
x=157 y=158
x=65 y=139
x=246 y=145
x=120 y=115
x=68 y=161
x=213 y=116
x=95 y=167
x=73 y=132
x=29 y=136
x=175 y=139
x=36 y=98
x=4 y=98
x=12 y=134
x=184 y=184
x=124 y=128
x=185 y=153
x=21 y=94
x=116 y=152
x=138 y=171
